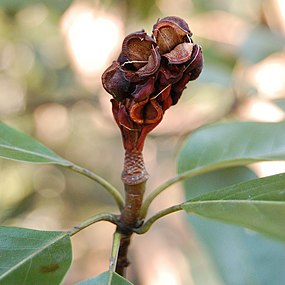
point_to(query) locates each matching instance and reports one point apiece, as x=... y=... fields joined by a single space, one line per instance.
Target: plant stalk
x=146 y=226
x=97 y=218
x=178 y=178
x=134 y=177
x=105 y=184
x=114 y=256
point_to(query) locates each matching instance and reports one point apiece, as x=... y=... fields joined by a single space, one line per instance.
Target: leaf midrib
x=234 y=201
x=15 y=267
x=51 y=158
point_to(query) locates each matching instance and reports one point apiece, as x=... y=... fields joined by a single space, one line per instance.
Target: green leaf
x=102 y=279
x=18 y=146
x=238 y=255
x=232 y=144
x=30 y=257
x=217 y=179
x=258 y=204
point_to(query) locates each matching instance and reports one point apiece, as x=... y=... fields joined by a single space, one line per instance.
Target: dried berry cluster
x=149 y=76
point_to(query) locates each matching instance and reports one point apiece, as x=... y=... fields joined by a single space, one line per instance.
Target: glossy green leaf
x=103 y=279
x=232 y=144
x=31 y=257
x=215 y=180
x=258 y=204
x=239 y=256
x=18 y=146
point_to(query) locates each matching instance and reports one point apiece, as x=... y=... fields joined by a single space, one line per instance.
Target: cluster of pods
x=149 y=76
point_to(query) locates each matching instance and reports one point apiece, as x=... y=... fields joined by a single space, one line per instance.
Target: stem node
x=134 y=177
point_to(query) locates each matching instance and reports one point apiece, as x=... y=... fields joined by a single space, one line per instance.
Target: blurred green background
x=52 y=55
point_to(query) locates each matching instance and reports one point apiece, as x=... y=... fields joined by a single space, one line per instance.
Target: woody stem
x=134 y=177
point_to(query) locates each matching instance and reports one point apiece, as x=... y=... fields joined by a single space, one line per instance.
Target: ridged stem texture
x=134 y=177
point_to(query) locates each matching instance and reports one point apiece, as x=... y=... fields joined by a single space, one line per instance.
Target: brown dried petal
x=137 y=112
x=164 y=98
x=167 y=103
x=180 y=54
x=152 y=65
x=169 y=32
x=179 y=22
x=115 y=110
x=169 y=74
x=143 y=91
x=137 y=47
x=194 y=74
x=153 y=112
x=132 y=76
x=144 y=131
x=115 y=83
x=177 y=89
x=122 y=59
x=124 y=118
x=195 y=65
x=146 y=112
x=146 y=69
x=141 y=96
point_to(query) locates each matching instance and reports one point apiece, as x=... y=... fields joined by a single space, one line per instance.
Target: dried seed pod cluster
x=149 y=76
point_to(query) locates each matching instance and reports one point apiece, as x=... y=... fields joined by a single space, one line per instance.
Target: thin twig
x=180 y=177
x=146 y=226
x=105 y=184
x=114 y=255
x=97 y=218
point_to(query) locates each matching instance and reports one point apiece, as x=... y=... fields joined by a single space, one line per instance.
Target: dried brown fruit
x=150 y=76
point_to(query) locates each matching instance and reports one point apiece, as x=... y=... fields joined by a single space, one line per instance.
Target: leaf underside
x=232 y=144
x=258 y=204
x=239 y=256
